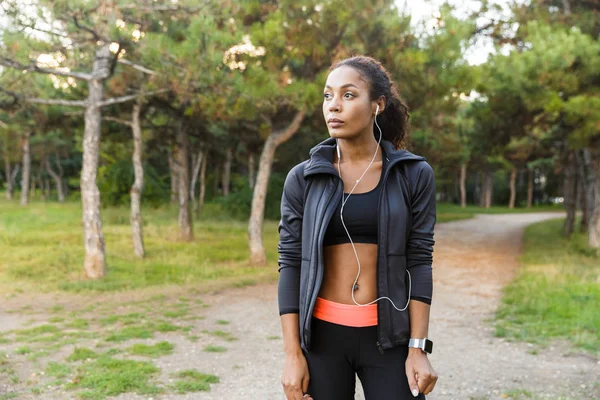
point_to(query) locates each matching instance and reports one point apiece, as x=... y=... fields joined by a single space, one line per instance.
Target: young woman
x=356 y=243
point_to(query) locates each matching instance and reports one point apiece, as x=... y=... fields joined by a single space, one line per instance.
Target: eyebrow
x=344 y=86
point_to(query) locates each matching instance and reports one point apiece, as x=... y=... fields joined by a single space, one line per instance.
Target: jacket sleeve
x=290 y=242
x=420 y=240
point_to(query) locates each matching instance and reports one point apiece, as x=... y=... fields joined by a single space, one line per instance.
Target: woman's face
x=347 y=107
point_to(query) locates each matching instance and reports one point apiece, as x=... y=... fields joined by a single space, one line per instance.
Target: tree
x=80 y=38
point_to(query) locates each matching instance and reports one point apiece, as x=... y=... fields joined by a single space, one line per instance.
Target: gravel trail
x=473 y=260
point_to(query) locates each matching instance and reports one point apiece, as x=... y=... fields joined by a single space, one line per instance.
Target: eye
x=327 y=96
x=349 y=93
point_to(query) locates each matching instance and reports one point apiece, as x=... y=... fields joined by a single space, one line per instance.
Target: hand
x=420 y=373
x=295 y=377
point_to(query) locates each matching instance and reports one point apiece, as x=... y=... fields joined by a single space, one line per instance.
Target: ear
x=381 y=103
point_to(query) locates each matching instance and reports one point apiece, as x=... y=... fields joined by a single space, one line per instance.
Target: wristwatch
x=424 y=344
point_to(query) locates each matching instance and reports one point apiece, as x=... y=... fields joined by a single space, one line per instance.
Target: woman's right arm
x=295 y=371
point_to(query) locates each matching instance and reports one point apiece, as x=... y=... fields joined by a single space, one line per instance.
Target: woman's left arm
x=421 y=375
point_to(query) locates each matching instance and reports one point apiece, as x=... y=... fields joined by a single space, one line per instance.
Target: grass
x=58 y=370
x=131 y=332
x=176 y=313
x=193 y=381
x=109 y=376
x=125 y=319
x=222 y=334
x=157 y=350
x=556 y=293
x=82 y=354
x=41 y=248
x=23 y=350
x=215 y=349
x=517 y=394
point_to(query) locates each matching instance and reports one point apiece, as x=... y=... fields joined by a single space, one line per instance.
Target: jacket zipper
x=328 y=214
x=379 y=241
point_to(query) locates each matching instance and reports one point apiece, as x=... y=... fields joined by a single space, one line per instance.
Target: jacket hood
x=321 y=156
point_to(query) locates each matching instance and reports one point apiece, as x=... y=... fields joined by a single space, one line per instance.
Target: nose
x=333 y=105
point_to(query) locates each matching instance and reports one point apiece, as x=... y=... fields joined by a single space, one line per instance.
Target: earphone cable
x=349 y=237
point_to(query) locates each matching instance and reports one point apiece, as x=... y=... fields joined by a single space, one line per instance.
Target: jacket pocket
x=398 y=288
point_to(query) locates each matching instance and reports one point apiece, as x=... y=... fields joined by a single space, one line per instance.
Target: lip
x=334 y=122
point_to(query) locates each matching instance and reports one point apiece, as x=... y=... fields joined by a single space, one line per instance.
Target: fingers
x=412 y=381
x=294 y=393
x=305 y=380
x=426 y=381
x=431 y=383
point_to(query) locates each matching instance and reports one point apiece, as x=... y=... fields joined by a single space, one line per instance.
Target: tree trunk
x=529 y=187
x=483 y=191
x=197 y=161
x=485 y=200
x=477 y=189
x=463 y=190
x=566 y=7
x=586 y=177
x=251 y=162
x=57 y=180
x=202 y=182
x=186 y=230
x=227 y=171
x=593 y=196
x=217 y=180
x=569 y=193
x=9 y=177
x=95 y=258
x=138 y=183
x=47 y=188
x=26 y=175
x=173 y=170
x=32 y=186
x=489 y=189
x=41 y=182
x=513 y=192
x=257 y=249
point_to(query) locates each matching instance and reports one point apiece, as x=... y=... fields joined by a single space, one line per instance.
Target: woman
x=356 y=243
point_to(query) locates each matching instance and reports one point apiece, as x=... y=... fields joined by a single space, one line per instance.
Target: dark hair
x=394 y=118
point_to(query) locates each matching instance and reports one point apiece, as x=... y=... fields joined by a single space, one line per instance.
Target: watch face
x=428 y=346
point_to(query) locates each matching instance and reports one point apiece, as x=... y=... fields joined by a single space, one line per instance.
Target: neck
x=359 y=150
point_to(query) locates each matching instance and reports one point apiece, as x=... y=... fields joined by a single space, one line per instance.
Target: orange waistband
x=345 y=314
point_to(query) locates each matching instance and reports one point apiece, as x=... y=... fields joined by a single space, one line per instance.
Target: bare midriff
x=341 y=268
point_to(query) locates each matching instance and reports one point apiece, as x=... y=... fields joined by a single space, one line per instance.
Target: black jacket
x=311 y=193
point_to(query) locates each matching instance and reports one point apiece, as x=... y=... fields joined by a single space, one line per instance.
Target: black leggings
x=339 y=353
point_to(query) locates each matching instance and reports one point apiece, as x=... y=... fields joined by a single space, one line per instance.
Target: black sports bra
x=360 y=217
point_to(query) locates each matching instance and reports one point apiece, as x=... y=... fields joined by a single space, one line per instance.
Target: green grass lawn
x=556 y=293
x=42 y=247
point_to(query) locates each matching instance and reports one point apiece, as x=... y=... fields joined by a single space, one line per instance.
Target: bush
x=115 y=182
x=239 y=202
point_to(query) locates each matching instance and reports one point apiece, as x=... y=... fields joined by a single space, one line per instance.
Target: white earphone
x=355 y=285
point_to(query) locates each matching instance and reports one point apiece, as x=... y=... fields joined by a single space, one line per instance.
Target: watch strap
x=424 y=344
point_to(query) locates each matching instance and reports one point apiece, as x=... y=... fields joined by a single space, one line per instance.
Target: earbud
x=338 y=149
x=377 y=111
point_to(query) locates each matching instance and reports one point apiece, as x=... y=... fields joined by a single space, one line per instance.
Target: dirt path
x=473 y=260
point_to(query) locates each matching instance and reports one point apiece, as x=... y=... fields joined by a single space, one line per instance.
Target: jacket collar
x=321 y=157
